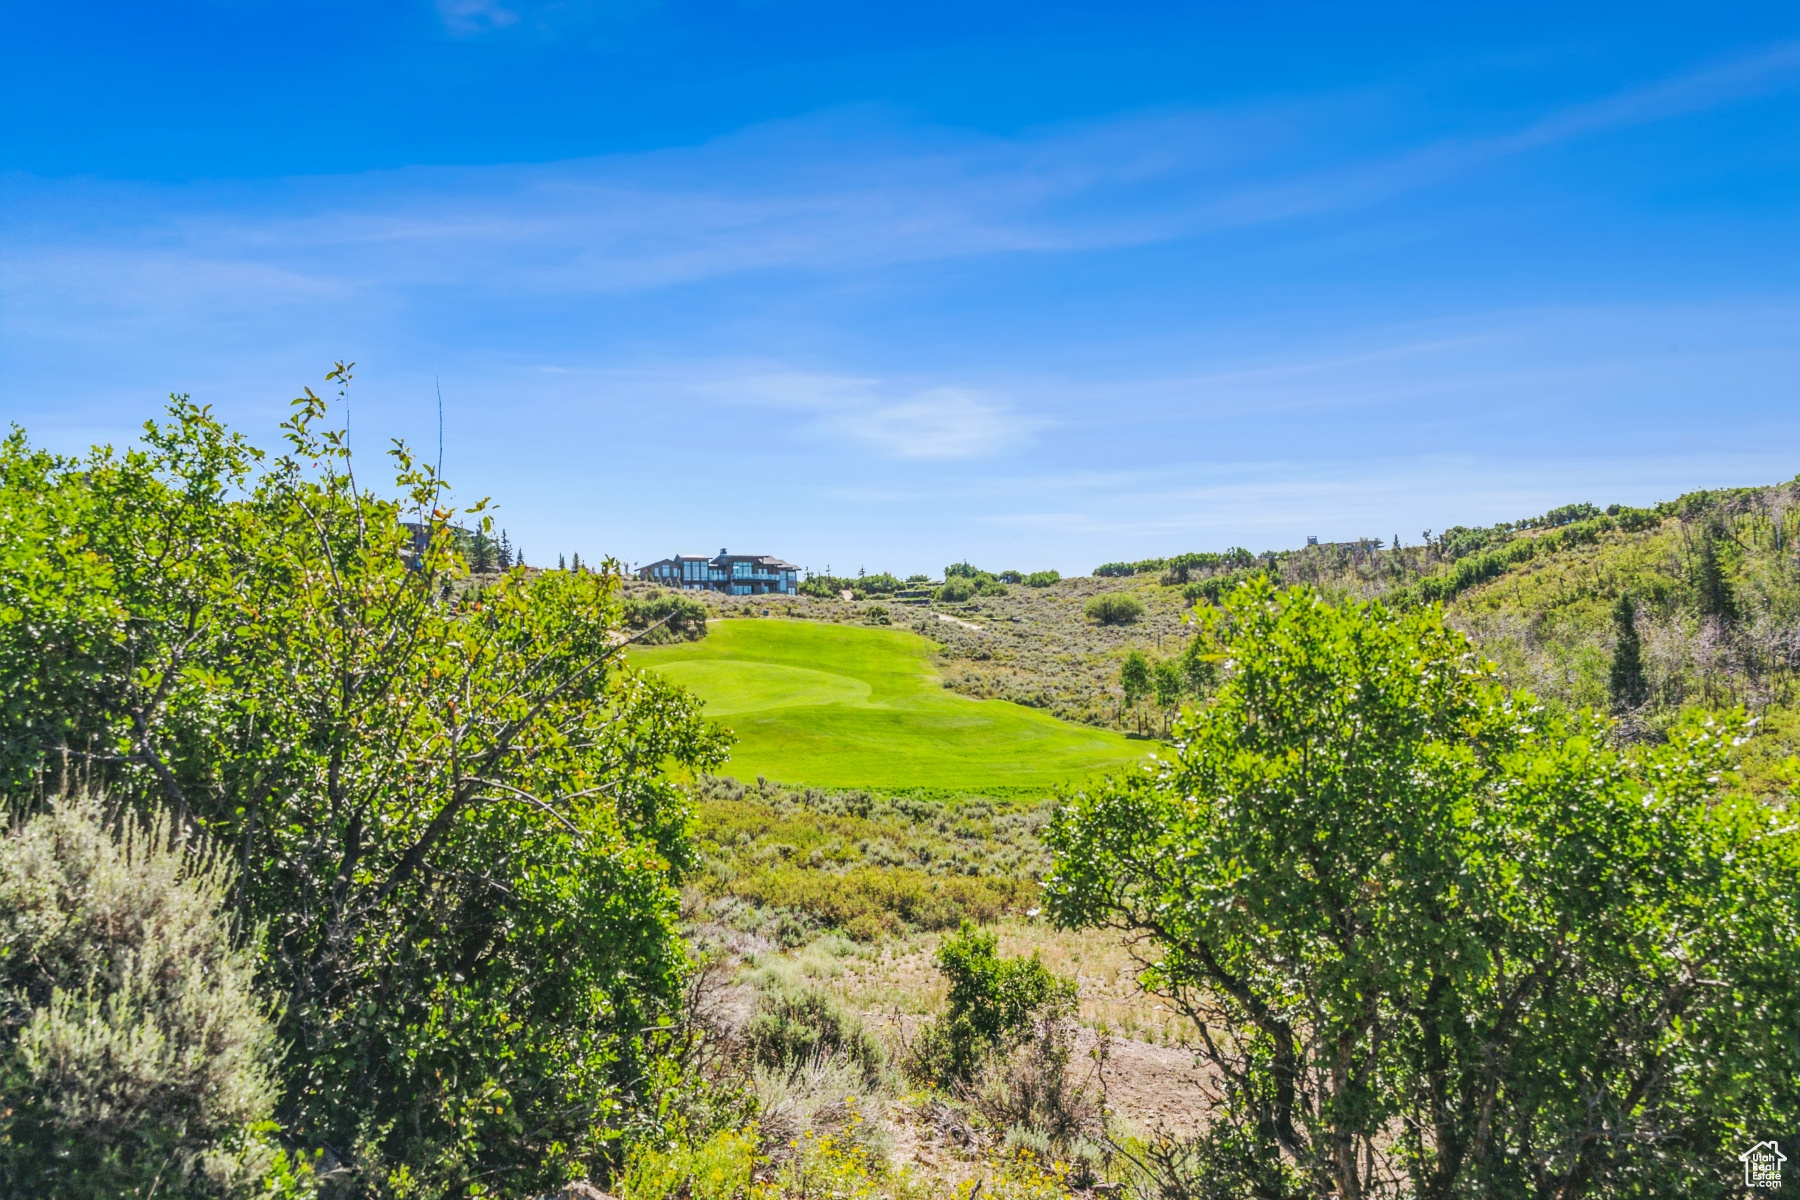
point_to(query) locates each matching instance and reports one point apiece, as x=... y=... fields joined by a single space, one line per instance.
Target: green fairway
x=848 y=706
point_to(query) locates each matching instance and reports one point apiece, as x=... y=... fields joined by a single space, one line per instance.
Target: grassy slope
x=844 y=706
x=1032 y=646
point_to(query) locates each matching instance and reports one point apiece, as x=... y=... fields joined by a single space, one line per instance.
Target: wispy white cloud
x=1709 y=86
x=934 y=422
x=844 y=191
x=548 y=18
x=937 y=423
x=475 y=16
x=1383 y=177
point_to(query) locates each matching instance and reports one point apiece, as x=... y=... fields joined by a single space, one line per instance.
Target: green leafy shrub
x=1210 y=589
x=1041 y=579
x=964 y=581
x=1367 y=851
x=794 y=1027
x=1634 y=520
x=1114 y=608
x=452 y=807
x=994 y=1004
x=135 y=1055
x=956 y=590
x=823 y=587
x=1176 y=570
x=667 y=616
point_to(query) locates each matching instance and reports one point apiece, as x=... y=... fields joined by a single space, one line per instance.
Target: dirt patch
x=1154 y=1088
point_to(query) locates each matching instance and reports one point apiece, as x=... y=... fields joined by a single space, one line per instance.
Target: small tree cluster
x=1178 y=569
x=1214 y=587
x=1168 y=681
x=488 y=554
x=965 y=581
x=861 y=586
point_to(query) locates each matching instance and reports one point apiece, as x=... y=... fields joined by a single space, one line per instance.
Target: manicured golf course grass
x=849 y=706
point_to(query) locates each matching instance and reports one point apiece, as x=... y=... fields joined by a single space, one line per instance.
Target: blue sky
x=887 y=286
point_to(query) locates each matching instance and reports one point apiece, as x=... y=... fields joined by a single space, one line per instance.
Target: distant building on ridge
x=733 y=574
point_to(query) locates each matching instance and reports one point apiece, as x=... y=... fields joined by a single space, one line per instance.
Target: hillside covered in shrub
x=1712 y=580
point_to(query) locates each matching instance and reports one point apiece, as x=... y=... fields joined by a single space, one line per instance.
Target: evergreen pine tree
x=1627 y=687
x=577 y=567
x=1712 y=589
x=506 y=552
x=561 y=563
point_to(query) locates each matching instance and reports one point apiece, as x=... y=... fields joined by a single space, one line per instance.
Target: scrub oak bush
x=956 y=591
x=994 y=1003
x=1113 y=608
x=1434 y=941
x=659 y=617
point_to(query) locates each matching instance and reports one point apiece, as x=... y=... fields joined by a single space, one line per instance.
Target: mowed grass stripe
x=848 y=706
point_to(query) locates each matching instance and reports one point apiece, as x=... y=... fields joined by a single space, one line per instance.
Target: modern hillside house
x=734 y=574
